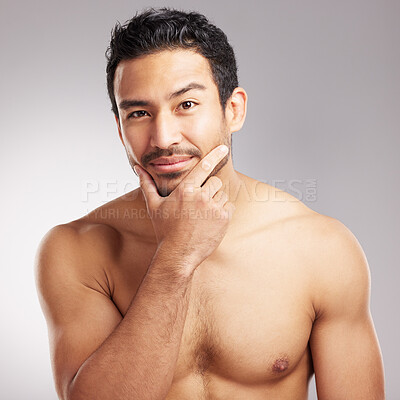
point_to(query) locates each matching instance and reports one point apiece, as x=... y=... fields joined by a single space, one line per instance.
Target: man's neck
x=233 y=185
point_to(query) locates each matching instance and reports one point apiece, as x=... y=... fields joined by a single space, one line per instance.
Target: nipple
x=280 y=365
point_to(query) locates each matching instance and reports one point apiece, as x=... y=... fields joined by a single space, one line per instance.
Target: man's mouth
x=170 y=164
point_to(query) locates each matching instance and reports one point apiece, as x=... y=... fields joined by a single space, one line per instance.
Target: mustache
x=173 y=151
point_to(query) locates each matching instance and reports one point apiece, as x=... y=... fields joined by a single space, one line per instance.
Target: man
x=202 y=283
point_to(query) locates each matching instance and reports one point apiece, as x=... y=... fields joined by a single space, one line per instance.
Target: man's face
x=169 y=114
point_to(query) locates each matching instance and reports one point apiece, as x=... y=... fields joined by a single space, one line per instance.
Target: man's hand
x=192 y=221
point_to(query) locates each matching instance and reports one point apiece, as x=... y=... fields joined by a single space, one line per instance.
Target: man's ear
x=235 y=111
x=119 y=129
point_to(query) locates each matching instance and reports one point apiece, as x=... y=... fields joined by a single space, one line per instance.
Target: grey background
x=324 y=100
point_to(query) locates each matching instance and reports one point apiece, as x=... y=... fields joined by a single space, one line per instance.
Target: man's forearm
x=137 y=361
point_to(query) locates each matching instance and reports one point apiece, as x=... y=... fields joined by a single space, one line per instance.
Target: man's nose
x=165 y=131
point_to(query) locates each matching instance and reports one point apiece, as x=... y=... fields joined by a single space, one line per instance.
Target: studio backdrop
x=323 y=124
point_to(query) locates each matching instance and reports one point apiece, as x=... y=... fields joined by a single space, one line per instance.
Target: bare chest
x=248 y=319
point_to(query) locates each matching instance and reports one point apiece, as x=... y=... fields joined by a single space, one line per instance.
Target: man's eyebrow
x=190 y=86
x=126 y=104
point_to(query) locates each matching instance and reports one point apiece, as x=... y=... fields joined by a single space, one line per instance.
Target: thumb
x=147 y=185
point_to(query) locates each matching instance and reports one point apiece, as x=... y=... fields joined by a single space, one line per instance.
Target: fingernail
x=137 y=170
x=223 y=149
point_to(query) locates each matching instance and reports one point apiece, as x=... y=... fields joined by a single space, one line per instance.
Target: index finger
x=206 y=165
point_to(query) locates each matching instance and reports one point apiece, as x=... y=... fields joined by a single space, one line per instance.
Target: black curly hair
x=157 y=29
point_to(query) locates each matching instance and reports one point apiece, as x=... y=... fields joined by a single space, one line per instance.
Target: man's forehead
x=165 y=71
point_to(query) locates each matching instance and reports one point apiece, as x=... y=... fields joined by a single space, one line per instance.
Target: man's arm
x=95 y=353
x=345 y=350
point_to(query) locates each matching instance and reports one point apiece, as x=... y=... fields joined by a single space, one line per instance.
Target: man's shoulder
x=331 y=240
x=328 y=239
x=331 y=257
x=82 y=233
x=98 y=236
x=335 y=261
x=80 y=248
x=330 y=244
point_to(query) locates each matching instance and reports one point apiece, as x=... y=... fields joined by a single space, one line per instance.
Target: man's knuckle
x=205 y=196
x=216 y=181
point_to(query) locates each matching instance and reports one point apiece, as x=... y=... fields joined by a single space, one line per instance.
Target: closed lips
x=169 y=160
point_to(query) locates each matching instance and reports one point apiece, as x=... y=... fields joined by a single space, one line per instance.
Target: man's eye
x=186 y=105
x=137 y=114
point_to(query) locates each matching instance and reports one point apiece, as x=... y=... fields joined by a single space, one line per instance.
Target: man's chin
x=167 y=183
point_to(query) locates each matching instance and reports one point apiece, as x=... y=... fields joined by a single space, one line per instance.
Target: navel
x=280 y=365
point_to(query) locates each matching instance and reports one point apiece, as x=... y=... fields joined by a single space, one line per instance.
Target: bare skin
x=244 y=303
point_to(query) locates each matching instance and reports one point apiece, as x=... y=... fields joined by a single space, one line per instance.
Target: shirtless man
x=203 y=283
